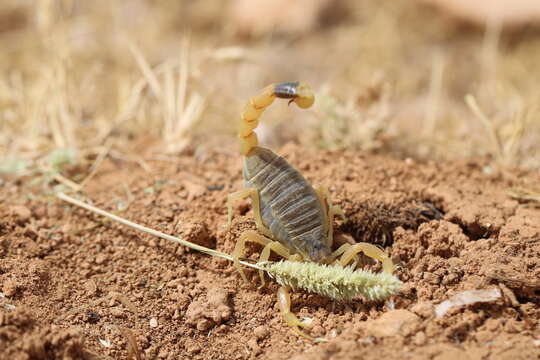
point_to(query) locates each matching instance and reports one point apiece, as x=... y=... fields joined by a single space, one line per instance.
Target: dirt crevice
x=375 y=222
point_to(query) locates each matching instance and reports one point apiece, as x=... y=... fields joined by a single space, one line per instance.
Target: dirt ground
x=76 y=286
x=425 y=126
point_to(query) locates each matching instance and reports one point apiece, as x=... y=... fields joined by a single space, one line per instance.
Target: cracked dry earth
x=77 y=286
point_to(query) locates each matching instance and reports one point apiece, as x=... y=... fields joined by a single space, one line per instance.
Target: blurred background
x=438 y=79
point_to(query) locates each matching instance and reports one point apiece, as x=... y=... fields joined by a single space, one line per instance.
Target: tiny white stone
x=307 y=321
x=9 y=307
x=153 y=322
x=105 y=343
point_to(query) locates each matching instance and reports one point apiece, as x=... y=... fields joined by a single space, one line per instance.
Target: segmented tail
x=299 y=93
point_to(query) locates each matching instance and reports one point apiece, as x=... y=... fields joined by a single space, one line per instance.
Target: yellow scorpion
x=294 y=218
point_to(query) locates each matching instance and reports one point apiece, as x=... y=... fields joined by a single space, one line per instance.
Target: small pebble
x=261 y=332
x=204 y=324
x=116 y=312
x=66 y=229
x=174 y=283
x=91 y=287
x=193 y=349
x=153 y=323
x=100 y=259
x=420 y=338
x=10 y=287
x=21 y=212
x=317 y=331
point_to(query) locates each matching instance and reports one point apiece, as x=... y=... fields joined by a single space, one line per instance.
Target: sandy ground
x=77 y=286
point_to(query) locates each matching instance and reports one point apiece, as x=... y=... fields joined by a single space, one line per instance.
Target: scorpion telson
x=294 y=90
x=294 y=218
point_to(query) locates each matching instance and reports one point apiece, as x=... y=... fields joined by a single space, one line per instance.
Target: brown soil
x=75 y=278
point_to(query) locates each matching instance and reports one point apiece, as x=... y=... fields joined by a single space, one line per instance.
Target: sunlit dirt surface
x=73 y=280
x=425 y=127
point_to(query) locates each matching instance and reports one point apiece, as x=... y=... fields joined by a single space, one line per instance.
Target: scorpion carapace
x=294 y=218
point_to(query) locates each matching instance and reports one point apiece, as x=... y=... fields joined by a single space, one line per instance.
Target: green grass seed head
x=334 y=281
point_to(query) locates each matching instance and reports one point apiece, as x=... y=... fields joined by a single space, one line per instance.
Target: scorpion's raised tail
x=299 y=93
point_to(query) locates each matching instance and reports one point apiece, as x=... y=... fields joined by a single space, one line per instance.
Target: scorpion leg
x=241 y=246
x=348 y=253
x=268 y=244
x=278 y=248
x=255 y=203
x=283 y=297
x=330 y=210
x=284 y=302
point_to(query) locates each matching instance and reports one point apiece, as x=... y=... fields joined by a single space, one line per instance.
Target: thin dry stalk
x=490 y=53
x=134 y=352
x=67 y=182
x=120 y=156
x=99 y=160
x=434 y=96
x=181 y=118
x=183 y=74
x=524 y=194
x=507 y=137
x=470 y=100
x=180 y=112
x=127 y=109
x=146 y=229
x=147 y=71
x=334 y=281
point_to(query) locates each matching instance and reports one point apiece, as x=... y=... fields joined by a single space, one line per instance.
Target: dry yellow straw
x=334 y=281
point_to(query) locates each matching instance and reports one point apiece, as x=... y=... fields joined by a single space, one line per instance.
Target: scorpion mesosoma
x=294 y=218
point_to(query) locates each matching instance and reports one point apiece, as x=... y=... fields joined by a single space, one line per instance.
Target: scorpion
x=293 y=218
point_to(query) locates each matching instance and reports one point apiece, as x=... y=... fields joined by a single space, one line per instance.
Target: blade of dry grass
x=490 y=53
x=183 y=74
x=99 y=159
x=145 y=229
x=147 y=71
x=335 y=281
x=434 y=95
x=470 y=100
x=134 y=352
x=524 y=194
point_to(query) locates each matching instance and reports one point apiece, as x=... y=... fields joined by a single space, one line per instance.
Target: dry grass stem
x=134 y=352
x=99 y=159
x=524 y=194
x=434 y=95
x=336 y=282
x=470 y=100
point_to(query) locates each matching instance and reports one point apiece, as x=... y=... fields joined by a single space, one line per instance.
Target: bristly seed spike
x=334 y=281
